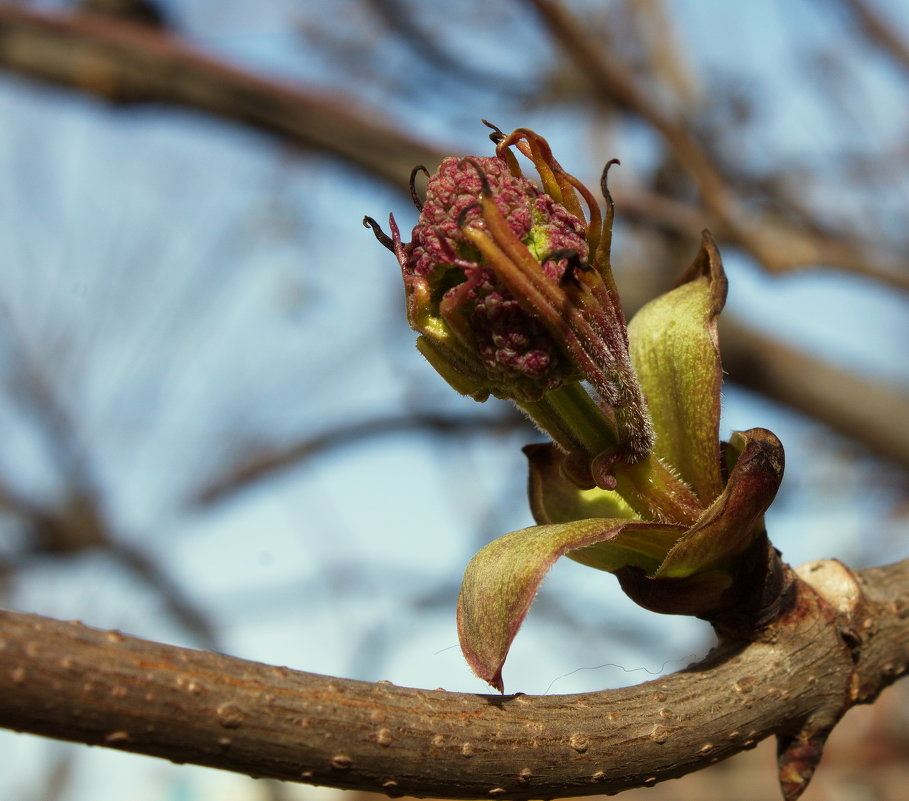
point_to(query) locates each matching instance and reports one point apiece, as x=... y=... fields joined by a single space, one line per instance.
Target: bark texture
x=841 y=640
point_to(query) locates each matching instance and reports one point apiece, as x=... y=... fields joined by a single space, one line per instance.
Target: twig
x=399 y=19
x=783 y=250
x=863 y=409
x=263 y=466
x=843 y=640
x=79 y=521
x=777 y=246
x=127 y=64
x=880 y=32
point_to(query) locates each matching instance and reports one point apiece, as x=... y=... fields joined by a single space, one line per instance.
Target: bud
x=521 y=359
x=510 y=288
x=509 y=285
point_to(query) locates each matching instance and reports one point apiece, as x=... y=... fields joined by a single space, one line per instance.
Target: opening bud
x=509 y=285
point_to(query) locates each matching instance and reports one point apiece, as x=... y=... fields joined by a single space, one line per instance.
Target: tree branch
x=880 y=33
x=861 y=408
x=265 y=464
x=126 y=63
x=778 y=246
x=841 y=640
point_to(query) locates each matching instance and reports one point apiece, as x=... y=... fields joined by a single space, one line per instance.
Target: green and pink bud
x=519 y=356
x=509 y=285
x=510 y=288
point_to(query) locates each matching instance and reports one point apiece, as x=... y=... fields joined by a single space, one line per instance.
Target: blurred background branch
x=126 y=64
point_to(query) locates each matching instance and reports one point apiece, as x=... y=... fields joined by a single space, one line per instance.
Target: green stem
x=655 y=492
x=573 y=420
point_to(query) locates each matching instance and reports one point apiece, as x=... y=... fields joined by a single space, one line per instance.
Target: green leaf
x=735 y=519
x=675 y=352
x=554 y=498
x=502 y=579
x=451 y=361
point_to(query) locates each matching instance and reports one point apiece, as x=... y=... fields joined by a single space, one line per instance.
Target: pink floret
x=513 y=345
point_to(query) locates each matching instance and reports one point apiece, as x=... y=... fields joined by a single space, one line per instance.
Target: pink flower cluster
x=508 y=339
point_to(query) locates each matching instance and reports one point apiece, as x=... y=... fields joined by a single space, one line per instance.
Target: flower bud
x=510 y=288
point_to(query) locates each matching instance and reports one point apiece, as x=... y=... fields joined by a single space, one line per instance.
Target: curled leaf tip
x=497 y=134
x=384 y=239
x=412 y=183
x=709 y=264
x=604 y=178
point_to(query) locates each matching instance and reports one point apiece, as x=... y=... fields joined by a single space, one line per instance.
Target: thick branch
x=71 y=682
x=126 y=63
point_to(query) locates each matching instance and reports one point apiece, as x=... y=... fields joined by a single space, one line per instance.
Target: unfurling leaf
x=502 y=580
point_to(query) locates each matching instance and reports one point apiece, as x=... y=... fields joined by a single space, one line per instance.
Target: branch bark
x=842 y=639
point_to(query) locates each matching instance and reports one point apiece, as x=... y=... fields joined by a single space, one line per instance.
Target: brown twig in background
x=77 y=521
x=264 y=465
x=77 y=525
x=784 y=246
x=855 y=407
x=128 y=64
x=613 y=81
x=125 y=64
x=880 y=33
x=399 y=22
x=777 y=246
